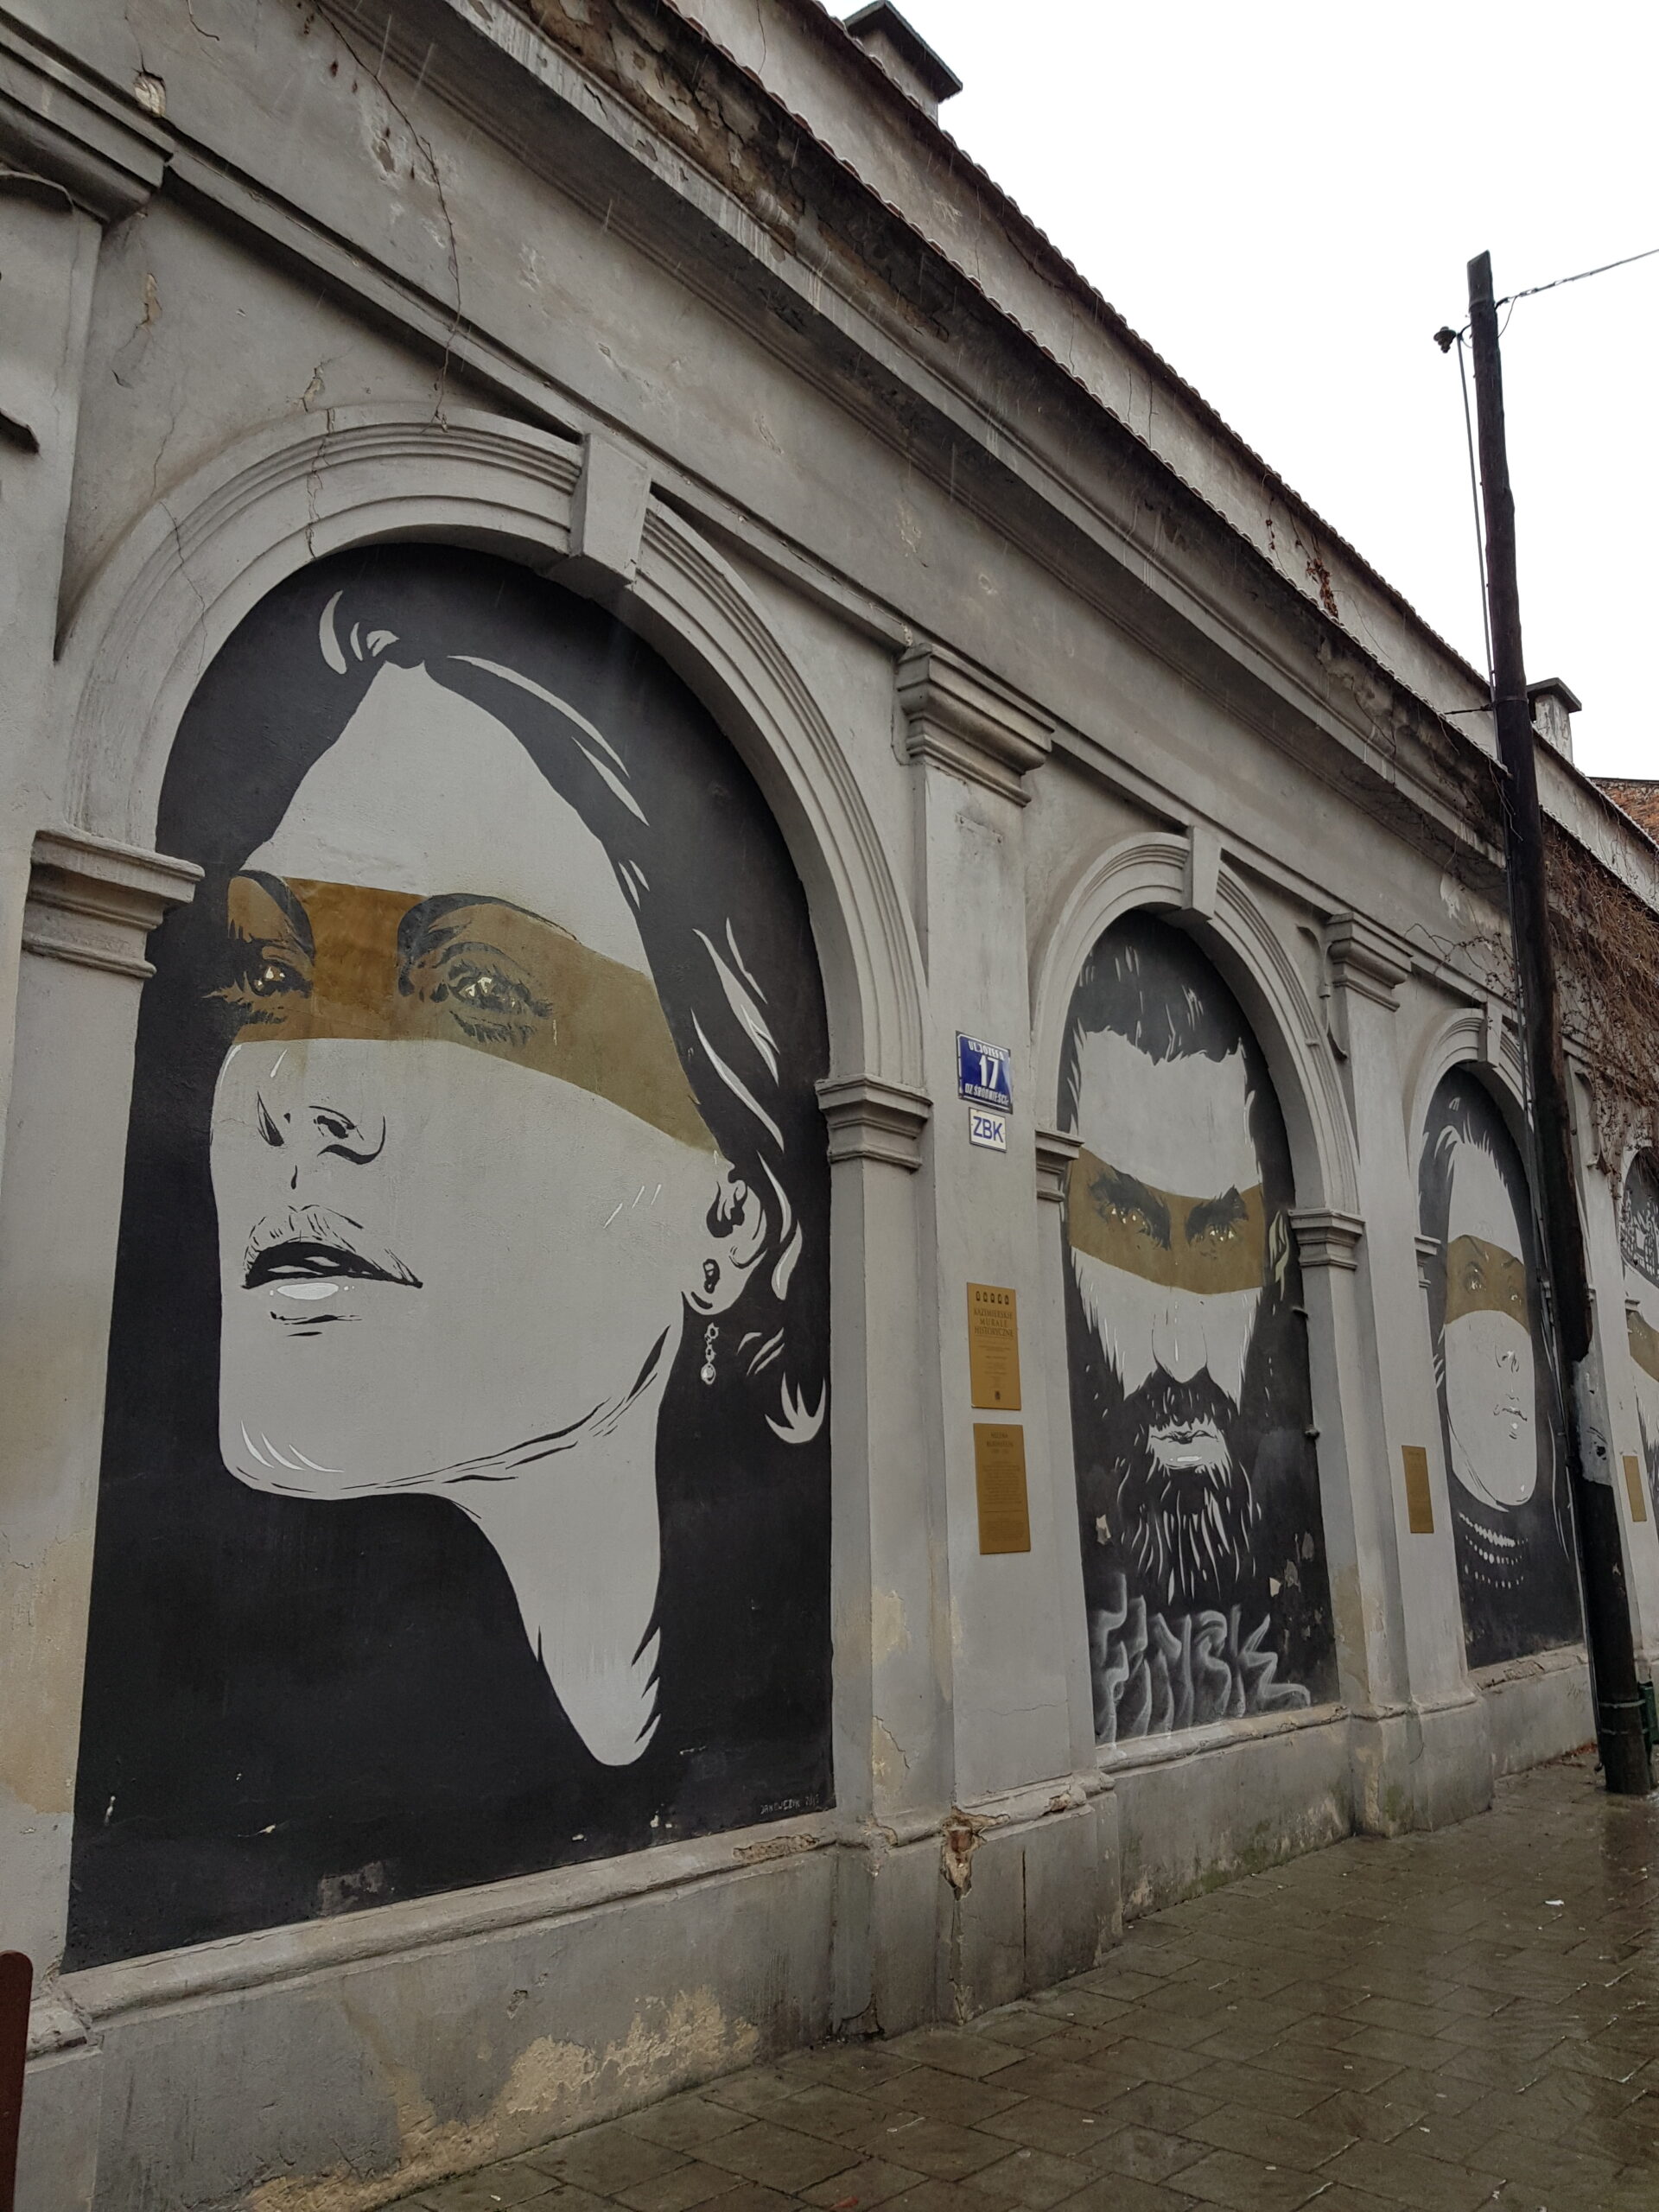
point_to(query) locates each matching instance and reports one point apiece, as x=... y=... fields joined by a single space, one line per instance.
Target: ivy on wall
x=1607 y=961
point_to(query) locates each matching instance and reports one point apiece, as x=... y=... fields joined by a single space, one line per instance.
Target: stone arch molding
x=181 y=579
x=1156 y=871
x=1470 y=1036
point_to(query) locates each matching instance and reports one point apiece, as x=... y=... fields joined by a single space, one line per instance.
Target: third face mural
x=1507 y=1478
x=1198 y=1493
x=465 y=1495
x=1639 y=1239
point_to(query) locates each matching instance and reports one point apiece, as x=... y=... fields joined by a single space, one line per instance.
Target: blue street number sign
x=982 y=1072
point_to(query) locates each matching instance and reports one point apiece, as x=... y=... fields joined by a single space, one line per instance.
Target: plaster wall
x=1005 y=667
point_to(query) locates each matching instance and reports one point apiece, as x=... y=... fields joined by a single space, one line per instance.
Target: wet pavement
x=1442 y=2022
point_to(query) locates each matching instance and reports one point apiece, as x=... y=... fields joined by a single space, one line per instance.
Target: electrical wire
x=1578 y=277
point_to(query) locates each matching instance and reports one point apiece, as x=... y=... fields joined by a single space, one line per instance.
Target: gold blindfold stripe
x=311 y=959
x=1164 y=1236
x=1644 y=1343
x=1483 y=1278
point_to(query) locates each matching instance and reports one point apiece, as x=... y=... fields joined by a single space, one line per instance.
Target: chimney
x=905 y=54
x=1553 y=709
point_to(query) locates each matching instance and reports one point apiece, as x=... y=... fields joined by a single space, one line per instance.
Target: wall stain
x=552 y=2088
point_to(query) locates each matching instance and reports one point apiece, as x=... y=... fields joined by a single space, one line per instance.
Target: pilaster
x=1417 y=1691
x=1056 y=1150
x=1016 y=1622
x=892 y=1591
x=91 y=906
x=75 y=154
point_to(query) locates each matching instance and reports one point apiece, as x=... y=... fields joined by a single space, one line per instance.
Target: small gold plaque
x=993 y=1348
x=1635 y=1488
x=1000 y=1480
x=1420 y=1506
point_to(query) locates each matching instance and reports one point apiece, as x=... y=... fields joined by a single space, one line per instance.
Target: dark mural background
x=1197 y=1490
x=1507 y=1474
x=337 y=1679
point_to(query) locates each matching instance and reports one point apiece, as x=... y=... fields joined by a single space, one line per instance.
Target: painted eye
x=271 y=978
x=488 y=993
x=1474 y=1277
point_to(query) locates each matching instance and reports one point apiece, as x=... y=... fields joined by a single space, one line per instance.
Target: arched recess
x=1151 y=872
x=1466 y=1040
x=185 y=574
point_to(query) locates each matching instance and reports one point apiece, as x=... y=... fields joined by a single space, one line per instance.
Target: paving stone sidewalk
x=1443 y=2021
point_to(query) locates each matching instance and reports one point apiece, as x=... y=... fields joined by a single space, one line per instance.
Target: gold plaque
x=1000 y=1480
x=1636 y=1490
x=993 y=1348
x=1420 y=1506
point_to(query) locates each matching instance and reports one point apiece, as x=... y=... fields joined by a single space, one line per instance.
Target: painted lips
x=1183 y=1447
x=308 y=1253
x=299 y=1262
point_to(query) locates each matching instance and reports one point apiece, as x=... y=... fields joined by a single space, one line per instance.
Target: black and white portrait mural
x=465 y=1501
x=1198 y=1493
x=1639 y=1241
x=1508 y=1478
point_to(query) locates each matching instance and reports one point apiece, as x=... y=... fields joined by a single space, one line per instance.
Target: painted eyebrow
x=280 y=894
x=422 y=928
x=1216 y=1213
x=1124 y=1191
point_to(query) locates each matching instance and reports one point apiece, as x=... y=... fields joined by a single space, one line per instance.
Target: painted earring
x=710 y=1276
x=708 y=1336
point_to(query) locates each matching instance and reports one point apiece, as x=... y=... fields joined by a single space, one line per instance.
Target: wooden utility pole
x=1595 y=1516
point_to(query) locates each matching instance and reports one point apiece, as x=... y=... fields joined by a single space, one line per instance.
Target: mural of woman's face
x=1490 y=1375
x=462 y=1185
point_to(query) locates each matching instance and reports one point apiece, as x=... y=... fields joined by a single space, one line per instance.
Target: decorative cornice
x=1055 y=1152
x=963 y=719
x=871 y=1120
x=64 y=132
x=1366 y=959
x=93 y=902
x=1325 y=1238
x=1430 y=1250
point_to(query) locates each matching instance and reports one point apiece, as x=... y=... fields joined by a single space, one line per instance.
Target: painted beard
x=1184 y=1509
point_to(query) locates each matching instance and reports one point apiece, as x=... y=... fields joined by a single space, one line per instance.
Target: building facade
x=763 y=1230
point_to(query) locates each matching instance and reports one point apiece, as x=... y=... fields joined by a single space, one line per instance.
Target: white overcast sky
x=1282 y=199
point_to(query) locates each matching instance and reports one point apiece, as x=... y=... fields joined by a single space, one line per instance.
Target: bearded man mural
x=1203 y=1558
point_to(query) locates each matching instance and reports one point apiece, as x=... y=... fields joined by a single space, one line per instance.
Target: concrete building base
x=1537 y=1708
x=421 y=2040
x=1423 y=1767
x=1194 y=1814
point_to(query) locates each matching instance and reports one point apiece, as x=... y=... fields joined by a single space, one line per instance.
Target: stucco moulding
x=871 y=1120
x=62 y=130
x=1483 y=1037
x=1056 y=1151
x=92 y=902
x=964 y=719
x=1326 y=1238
